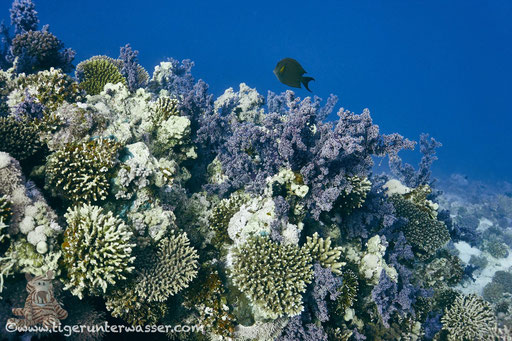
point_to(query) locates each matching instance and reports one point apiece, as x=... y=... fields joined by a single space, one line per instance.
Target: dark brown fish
x=290 y=72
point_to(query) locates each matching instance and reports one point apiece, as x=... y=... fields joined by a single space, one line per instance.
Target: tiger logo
x=41 y=307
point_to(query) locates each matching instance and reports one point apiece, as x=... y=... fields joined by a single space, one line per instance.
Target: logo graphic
x=41 y=307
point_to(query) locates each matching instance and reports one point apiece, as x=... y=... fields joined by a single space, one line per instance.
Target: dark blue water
x=425 y=66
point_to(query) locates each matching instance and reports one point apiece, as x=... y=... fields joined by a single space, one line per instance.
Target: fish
x=290 y=72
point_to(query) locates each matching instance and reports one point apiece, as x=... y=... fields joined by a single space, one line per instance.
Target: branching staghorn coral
x=96 y=250
x=273 y=276
x=174 y=266
x=94 y=73
x=80 y=172
x=469 y=318
x=321 y=251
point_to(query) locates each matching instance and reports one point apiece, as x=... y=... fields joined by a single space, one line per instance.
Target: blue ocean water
x=135 y=195
x=420 y=67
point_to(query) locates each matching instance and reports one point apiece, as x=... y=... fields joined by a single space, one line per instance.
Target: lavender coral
x=24 y=16
x=135 y=75
x=297 y=140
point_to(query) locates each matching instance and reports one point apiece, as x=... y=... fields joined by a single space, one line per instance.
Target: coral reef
x=19 y=138
x=251 y=217
x=425 y=233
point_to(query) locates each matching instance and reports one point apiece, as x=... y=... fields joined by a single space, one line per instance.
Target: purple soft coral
x=24 y=16
x=391 y=297
x=407 y=174
x=324 y=154
x=295 y=331
x=326 y=284
x=135 y=75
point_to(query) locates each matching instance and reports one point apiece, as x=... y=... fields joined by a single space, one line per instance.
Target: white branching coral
x=96 y=250
x=322 y=252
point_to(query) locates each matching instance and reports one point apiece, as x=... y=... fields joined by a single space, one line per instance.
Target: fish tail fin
x=305 y=81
